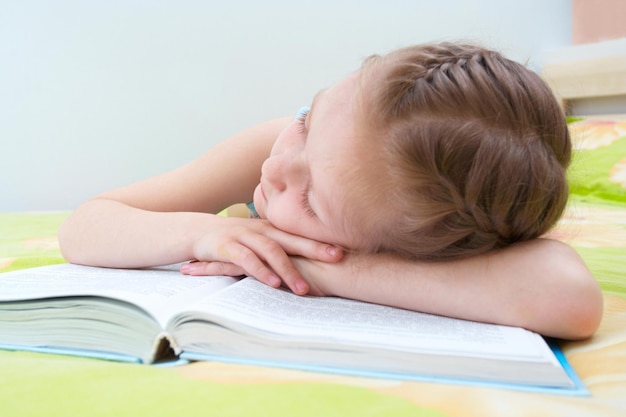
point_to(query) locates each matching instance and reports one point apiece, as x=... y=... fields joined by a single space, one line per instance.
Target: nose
x=273 y=172
x=282 y=171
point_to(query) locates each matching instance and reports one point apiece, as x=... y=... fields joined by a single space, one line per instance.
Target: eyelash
x=305 y=203
x=301 y=121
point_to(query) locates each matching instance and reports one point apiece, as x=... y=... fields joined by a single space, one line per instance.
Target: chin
x=259 y=203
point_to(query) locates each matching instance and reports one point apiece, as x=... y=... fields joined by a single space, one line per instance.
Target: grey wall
x=97 y=94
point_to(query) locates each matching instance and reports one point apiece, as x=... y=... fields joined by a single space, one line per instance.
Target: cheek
x=281 y=211
x=286 y=214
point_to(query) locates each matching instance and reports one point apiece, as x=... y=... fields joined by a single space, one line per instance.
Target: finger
x=307 y=248
x=211 y=268
x=275 y=256
x=241 y=255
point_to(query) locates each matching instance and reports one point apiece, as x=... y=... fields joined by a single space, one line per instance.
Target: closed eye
x=304 y=202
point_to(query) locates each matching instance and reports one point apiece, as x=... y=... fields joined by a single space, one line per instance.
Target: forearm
x=108 y=233
x=157 y=220
x=540 y=285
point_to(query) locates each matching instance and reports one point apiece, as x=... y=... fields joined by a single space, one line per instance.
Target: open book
x=157 y=314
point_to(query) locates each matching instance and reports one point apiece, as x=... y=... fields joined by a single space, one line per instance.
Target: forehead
x=335 y=159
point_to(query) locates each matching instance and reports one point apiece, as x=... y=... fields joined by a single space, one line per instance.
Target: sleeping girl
x=424 y=180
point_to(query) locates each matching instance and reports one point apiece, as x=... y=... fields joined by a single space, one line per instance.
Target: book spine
x=165 y=349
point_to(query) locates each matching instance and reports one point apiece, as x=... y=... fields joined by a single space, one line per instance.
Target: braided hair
x=476 y=150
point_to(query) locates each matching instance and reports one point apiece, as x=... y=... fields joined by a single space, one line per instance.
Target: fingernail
x=332 y=251
x=274 y=282
x=302 y=287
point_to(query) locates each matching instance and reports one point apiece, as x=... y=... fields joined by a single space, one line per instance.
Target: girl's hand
x=338 y=279
x=254 y=247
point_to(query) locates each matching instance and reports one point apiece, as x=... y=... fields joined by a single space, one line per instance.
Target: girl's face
x=302 y=182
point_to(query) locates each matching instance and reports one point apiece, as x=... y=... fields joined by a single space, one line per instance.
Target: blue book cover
x=577 y=388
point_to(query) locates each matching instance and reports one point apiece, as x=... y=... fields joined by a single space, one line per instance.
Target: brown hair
x=475 y=148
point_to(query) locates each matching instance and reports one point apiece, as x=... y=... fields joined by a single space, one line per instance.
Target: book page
x=343 y=321
x=161 y=291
